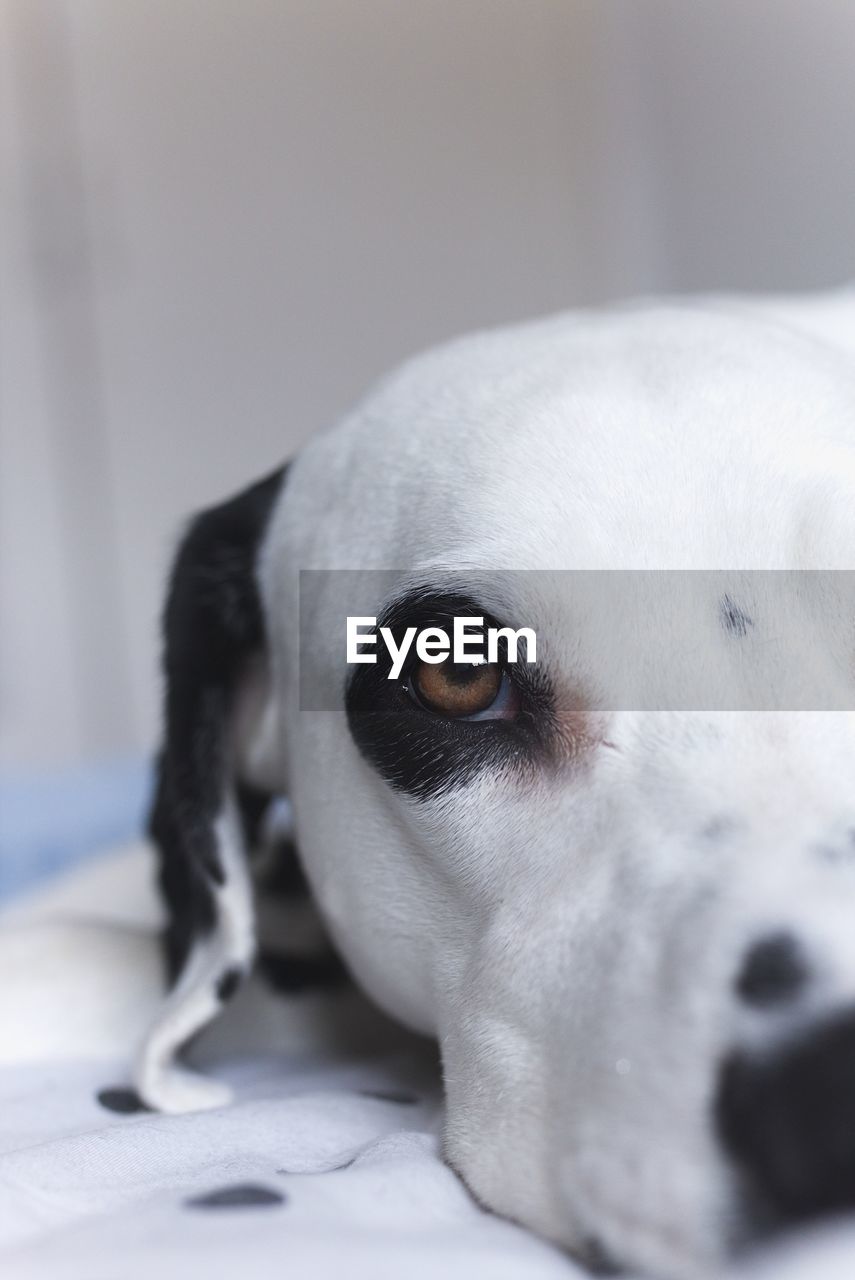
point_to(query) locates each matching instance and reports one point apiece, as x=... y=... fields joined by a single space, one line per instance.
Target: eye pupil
x=457 y=688
x=464 y=674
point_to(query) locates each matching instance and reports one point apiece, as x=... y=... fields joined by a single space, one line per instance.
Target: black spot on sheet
x=122 y=1100
x=242 y=1195
x=734 y=620
x=228 y=984
x=396 y=1096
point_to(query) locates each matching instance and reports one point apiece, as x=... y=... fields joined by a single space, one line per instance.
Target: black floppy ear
x=213 y=625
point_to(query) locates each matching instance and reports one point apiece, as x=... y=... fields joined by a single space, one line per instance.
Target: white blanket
x=327 y=1162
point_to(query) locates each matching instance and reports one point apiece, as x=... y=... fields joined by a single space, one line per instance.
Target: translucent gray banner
x=682 y=640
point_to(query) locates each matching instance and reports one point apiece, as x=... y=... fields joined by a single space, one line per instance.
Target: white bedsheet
x=326 y=1164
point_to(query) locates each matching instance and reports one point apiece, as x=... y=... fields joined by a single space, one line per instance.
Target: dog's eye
x=463 y=690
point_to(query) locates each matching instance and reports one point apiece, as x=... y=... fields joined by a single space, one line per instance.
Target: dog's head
x=623 y=902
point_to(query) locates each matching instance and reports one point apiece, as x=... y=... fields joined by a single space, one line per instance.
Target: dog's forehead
x=646 y=437
x=588 y=441
x=698 y=358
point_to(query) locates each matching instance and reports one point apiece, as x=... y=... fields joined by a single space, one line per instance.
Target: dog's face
x=617 y=886
x=630 y=929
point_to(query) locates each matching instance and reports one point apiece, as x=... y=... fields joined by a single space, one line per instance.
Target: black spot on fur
x=243 y=1195
x=123 y=1101
x=398 y=1097
x=290 y=974
x=787 y=1120
x=228 y=984
x=212 y=625
x=733 y=619
x=837 y=853
x=721 y=827
x=774 y=972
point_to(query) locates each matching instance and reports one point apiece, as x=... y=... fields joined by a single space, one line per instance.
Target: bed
x=327 y=1162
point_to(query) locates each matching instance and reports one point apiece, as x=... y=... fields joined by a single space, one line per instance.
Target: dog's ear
x=213 y=626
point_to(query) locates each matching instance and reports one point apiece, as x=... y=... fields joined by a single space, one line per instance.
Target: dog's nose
x=788 y=1120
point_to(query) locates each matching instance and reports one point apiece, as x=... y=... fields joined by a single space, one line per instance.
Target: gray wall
x=221 y=219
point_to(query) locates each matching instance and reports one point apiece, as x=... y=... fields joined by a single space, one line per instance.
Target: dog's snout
x=788 y=1120
x=773 y=973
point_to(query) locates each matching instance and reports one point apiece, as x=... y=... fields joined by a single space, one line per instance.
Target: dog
x=629 y=926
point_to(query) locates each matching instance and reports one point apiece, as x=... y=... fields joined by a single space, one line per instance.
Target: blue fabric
x=51 y=820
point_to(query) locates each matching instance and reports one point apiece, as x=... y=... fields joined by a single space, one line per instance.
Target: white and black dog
x=630 y=927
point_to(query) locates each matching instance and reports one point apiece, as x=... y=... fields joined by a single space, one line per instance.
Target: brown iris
x=457 y=688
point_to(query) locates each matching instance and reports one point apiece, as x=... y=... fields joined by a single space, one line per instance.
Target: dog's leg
x=213 y=628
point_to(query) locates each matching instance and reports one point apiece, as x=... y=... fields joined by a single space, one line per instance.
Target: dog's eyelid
x=423 y=608
x=432 y=608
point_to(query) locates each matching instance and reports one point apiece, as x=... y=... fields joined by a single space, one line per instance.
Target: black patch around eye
x=734 y=620
x=243 y=1195
x=122 y=1100
x=423 y=753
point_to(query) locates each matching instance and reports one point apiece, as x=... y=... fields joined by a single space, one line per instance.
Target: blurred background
x=220 y=220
